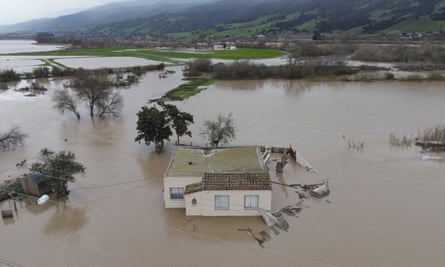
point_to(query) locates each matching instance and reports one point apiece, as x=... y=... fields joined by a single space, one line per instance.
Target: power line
x=110 y=185
x=232 y=244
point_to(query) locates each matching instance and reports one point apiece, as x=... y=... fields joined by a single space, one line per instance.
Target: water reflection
x=8 y=221
x=66 y=220
x=20 y=46
x=242 y=85
x=219 y=228
x=291 y=87
x=311 y=115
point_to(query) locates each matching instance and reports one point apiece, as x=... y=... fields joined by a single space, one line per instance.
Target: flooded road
x=386 y=205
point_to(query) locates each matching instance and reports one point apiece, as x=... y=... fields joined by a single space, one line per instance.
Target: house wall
x=205 y=205
x=177 y=182
x=29 y=187
x=194 y=210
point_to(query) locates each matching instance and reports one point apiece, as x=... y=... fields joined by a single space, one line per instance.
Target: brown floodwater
x=386 y=205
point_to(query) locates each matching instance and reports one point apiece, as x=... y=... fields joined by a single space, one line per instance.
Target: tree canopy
x=221 y=131
x=64 y=101
x=153 y=126
x=59 y=168
x=156 y=125
x=95 y=89
x=179 y=120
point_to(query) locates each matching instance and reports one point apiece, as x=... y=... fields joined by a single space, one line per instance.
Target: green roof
x=194 y=162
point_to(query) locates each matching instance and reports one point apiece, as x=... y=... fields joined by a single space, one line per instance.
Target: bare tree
x=92 y=87
x=220 y=131
x=111 y=105
x=64 y=101
x=12 y=138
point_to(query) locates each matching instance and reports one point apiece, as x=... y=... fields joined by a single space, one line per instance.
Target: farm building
x=218 y=182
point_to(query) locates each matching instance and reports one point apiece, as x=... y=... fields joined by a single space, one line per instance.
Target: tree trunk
x=91 y=111
x=77 y=115
x=158 y=146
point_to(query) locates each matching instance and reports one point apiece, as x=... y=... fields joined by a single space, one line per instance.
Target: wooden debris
x=7 y=213
x=260 y=241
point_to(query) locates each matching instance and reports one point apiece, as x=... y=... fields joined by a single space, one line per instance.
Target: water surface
x=21 y=46
x=386 y=207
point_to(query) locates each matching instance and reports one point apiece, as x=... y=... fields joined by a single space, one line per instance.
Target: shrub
x=9 y=75
x=198 y=66
x=41 y=72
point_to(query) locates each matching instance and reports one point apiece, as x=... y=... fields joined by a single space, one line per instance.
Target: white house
x=218 y=182
x=225 y=46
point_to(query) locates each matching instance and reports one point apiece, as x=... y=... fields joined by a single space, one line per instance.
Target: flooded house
x=230 y=181
x=35 y=184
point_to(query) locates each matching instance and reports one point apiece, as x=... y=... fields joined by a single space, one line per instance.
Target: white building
x=218 y=182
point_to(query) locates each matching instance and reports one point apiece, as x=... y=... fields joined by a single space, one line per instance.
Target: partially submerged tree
x=111 y=105
x=153 y=125
x=221 y=131
x=59 y=168
x=9 y=75
x=64 y=101
x=95 y=89
x=197 y=66
x=179 y=120
x=11 y=138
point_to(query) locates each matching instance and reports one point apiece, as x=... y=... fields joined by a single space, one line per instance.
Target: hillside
x=247 y=18
x=226 y=18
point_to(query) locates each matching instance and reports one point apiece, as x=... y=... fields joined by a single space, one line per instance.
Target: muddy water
x=386 y=206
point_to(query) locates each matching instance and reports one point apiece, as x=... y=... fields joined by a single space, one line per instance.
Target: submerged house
x=35 y=184
x=218 y=182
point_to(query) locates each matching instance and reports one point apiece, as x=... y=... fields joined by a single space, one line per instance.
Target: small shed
x=35 y=184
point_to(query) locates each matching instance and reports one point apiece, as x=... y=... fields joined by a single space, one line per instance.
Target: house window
x=176 y=193
x=251 y=201
x=222 y=202
x=194 y=202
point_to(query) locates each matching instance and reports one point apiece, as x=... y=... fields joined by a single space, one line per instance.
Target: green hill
x=228 y=18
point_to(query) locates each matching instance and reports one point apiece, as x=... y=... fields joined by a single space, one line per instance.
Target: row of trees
x=41 y=72
x=155 y=124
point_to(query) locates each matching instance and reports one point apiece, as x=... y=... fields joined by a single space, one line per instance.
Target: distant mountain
x=101 y=15
x=199 y=18
x=247 y=17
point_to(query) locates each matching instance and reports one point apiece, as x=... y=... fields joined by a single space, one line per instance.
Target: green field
x=193 y=87
x=165 y=55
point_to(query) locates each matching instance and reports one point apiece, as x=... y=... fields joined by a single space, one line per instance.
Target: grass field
x=192 y=87
x=165 y=55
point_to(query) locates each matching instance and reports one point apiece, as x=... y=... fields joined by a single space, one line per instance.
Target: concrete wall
x=205 y=205
x=177 y=182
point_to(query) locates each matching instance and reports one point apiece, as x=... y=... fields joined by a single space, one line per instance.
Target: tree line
x=245 y=70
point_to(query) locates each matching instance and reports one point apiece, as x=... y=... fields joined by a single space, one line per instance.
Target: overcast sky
x=13 y=11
